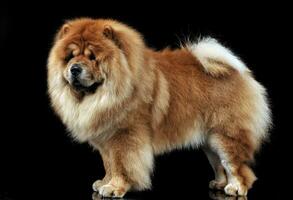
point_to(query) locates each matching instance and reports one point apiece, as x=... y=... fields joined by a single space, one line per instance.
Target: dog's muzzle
x=79 y=81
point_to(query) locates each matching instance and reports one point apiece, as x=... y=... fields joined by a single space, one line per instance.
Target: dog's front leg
x=129 y=161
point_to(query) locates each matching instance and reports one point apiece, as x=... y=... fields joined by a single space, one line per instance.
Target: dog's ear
x=113 y=35
x=63 y=31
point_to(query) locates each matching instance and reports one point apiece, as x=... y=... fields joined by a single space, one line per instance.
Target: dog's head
x=89 y=53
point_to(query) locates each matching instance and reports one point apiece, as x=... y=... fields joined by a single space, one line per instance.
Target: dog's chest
x=80 y=118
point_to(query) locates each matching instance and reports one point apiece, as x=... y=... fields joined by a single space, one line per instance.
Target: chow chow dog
x=132 y=103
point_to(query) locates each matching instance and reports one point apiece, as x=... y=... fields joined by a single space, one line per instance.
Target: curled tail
x=216 y=59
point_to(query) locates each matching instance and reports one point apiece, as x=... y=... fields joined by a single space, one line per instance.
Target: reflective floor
x=214 y=195
x=180 y=194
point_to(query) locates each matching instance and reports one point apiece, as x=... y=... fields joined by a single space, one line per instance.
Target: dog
x=132 y=103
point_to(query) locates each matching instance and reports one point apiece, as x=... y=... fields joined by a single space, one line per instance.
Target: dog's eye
x=69 y=57
x=92 y=57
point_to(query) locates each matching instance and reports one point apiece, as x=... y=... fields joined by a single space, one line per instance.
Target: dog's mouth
x=89 y=89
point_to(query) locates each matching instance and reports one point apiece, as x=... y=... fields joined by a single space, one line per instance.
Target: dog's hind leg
x=235 y=152
x=220 y=180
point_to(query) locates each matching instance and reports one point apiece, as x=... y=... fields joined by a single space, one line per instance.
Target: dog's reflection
x=220 y=195
x=215 y=195
x=96 y=196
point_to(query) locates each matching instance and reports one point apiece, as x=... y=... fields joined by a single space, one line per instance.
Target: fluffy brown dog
x=132 y=103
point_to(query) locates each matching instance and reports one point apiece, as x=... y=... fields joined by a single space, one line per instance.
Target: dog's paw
x=111 y=191
x=216 y=185
x=235 y=190
x=97 y=185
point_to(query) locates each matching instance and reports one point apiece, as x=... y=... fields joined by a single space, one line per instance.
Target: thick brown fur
x=151 y=102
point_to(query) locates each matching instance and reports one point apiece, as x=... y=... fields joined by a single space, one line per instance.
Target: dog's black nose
x=75 y=69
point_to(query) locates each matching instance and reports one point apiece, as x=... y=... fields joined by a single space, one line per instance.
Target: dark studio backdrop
x=39 y=160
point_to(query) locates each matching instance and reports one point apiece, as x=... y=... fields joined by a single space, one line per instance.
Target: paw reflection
x=97 y=196
x=213 y=194
x=220 y=195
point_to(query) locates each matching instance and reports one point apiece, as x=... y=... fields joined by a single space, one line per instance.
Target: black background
x=39 y=160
